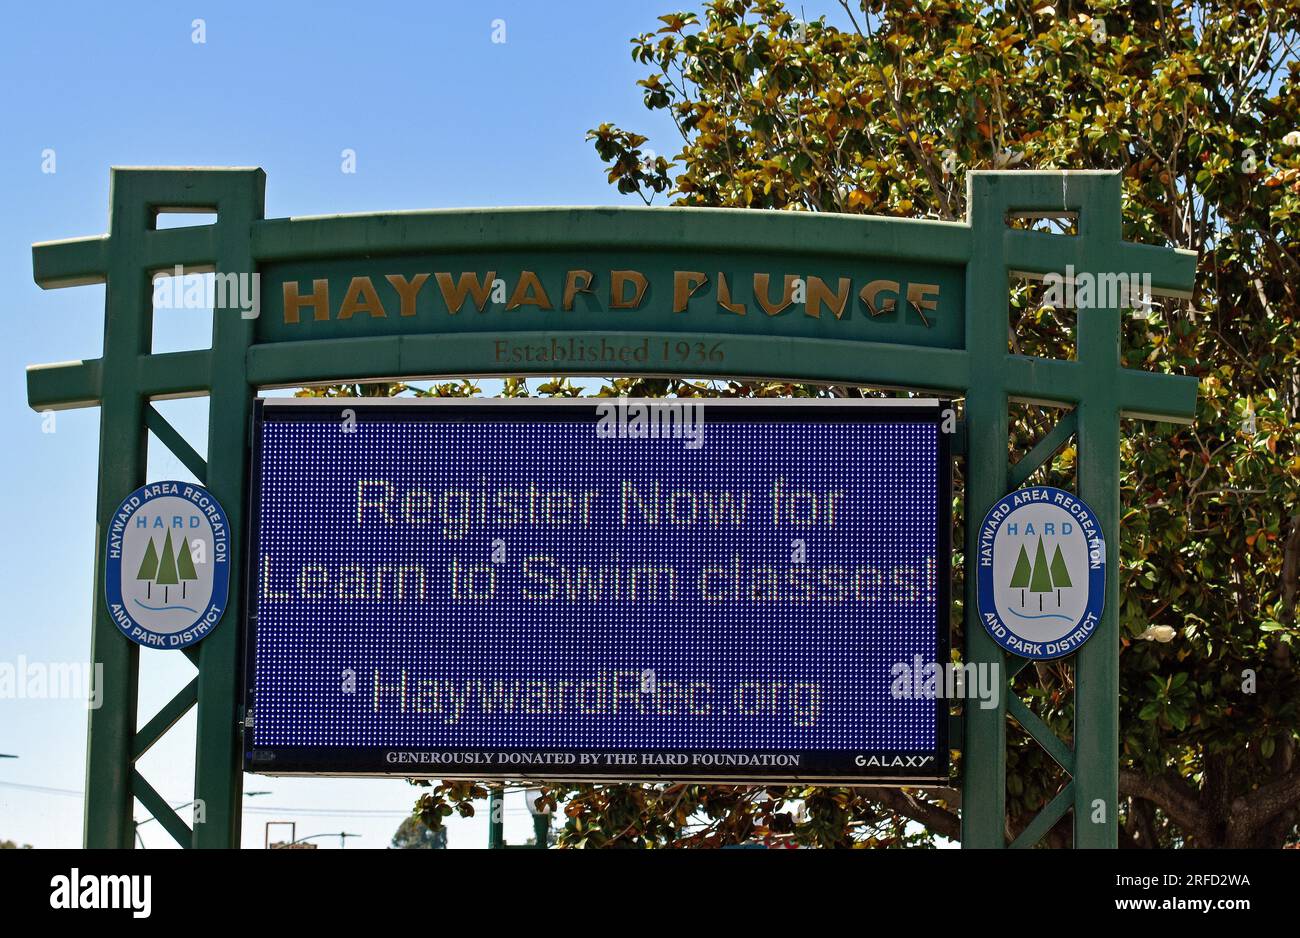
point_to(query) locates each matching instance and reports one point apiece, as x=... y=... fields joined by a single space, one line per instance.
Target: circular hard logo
x=1042 y=572
x=168 y=572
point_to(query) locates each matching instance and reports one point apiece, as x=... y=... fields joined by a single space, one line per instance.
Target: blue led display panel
x=598 y=590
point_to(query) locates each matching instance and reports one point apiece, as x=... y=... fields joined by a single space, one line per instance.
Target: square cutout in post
x=182 y=300
x=1056 y=223
x=180 y=217
x=1038 y=323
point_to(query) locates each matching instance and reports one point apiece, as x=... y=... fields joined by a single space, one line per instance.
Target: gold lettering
x=873 y=289
x=529 y=292
x=407 y=290
x=724 y=297
x=318 y=300
x=618 y=281
x=761 y=284
x=572 y=287
x=361 y=298
x=686 y=283
x=918 y=295
x=466 y=284
x=819 y=293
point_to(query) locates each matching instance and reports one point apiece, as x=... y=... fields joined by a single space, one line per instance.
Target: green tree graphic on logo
x=185 y=564
x=1040 y=581
x=1040 y=577
x=1020 y=579
x=148 y=568
x=1060 y=574
x=167 y=568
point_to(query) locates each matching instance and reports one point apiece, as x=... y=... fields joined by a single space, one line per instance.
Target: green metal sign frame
x=900 y=303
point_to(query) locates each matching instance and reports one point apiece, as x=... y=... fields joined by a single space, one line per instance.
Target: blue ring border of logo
x=220 y=573
x=1096 y=578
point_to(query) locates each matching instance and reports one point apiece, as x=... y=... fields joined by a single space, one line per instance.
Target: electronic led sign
x=600 y=590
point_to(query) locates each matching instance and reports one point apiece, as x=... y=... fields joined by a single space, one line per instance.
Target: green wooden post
x=218 y=769
x=128 y=334
x=1096 y=702
x=984 y=758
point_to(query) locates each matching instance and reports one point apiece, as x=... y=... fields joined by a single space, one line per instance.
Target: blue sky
x=439 y=116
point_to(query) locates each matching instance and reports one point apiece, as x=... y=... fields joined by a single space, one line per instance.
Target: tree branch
x=1171 y=795
x=1250 y=812
x=1291 y=570
x=943 y=822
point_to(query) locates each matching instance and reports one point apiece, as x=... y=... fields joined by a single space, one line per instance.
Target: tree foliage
x=414 y=834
